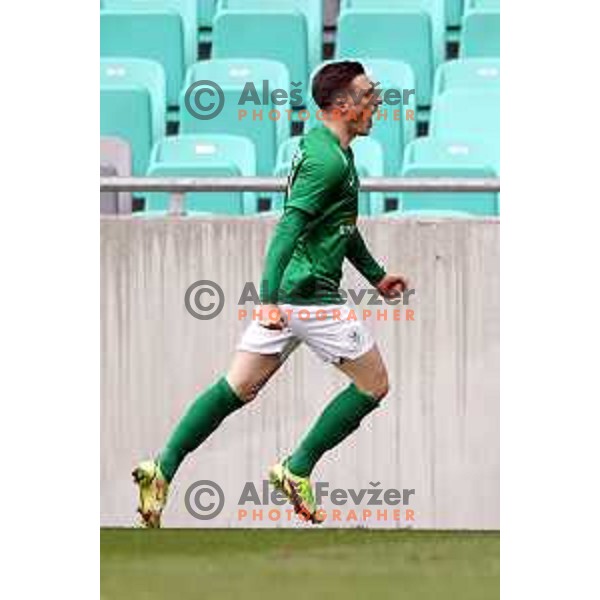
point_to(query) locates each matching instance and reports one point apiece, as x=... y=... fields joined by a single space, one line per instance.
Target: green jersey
x=318 y=227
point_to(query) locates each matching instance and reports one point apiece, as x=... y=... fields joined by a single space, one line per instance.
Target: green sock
x=340 y=418
x=204 y=415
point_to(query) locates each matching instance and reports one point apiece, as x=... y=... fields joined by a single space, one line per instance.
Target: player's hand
x=271 y=317
x=391 y=286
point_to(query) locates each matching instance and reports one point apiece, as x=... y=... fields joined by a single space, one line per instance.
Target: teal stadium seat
x=275 y=35
x=206 y=12
x=153 y=34
x=467 y=73
x=433 y=157
x=311 y=9
x=436 y=9
x=132 y=105
x=399 y=35
x=454 y=12
x=188 y=10
x=482 y=4
x=459 y=151
x=204 y=156
x=234 y=76
x=480 y=36
x=369 y=160
x=473 y=114
x=430 y=214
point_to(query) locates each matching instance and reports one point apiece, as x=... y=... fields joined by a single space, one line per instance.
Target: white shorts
x=325 y=329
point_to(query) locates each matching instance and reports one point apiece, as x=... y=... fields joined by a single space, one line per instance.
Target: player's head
x=343 y=91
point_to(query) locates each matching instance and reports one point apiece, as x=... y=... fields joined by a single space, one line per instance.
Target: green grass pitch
x=298 y=564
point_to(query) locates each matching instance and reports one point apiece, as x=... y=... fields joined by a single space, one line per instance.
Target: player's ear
x=343 y=105
x=340 y=101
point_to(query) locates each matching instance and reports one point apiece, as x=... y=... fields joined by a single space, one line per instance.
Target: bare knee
x=377 y=387
x=246 y=390
x=381 y=388
x=249 y=373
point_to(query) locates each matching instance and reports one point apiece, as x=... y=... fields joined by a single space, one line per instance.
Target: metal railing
x=178 y=186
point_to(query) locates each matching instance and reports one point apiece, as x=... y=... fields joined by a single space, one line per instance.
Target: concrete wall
x=437 y=433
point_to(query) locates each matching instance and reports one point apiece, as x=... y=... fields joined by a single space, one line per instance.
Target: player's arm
x=314 y=181
x=286 y=236
x=358 y=254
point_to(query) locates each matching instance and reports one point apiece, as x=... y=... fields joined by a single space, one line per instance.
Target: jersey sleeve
x=288 y=231
x=358 y=254
x=316 y=179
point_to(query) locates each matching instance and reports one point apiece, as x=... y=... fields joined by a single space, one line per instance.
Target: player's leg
x=343 y=415
x=368 y=373
x=259 y=356
x=348 y=345
x=248 y=373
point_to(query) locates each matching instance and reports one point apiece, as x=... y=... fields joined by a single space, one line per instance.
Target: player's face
x=366 y=99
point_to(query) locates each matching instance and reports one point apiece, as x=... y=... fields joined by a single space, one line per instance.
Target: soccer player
x=302 y=272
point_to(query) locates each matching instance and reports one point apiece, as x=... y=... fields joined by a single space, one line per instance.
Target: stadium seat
x=311 y=9
x=454 y=12
x=480 y=36
x=427 y=214
x=471 y=114
x=369 y=160
x=274 y=35
x=434 y=8
x=205 y=156
x=400 y=35
x=155 y=35
x=482 y=4
x=132 y=105
x=115 y=160
x=475 y=203
x=237 y=117
x=433 y=157
x=188 y=10
x=458 y=151
x=467 y=73
x=206 y=12
x=117 y=71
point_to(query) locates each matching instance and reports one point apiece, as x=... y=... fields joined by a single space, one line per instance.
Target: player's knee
x=246 y=391
x=378 y=387
x=381 y=388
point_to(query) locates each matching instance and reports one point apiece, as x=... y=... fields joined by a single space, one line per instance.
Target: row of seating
x=132 y=104
x=290 y=31
x=313 y=10
x=463 y=142
x=227 y=156
x=199 y=13
x=149 y=49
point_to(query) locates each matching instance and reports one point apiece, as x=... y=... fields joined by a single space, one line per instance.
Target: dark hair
x=334 y=79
